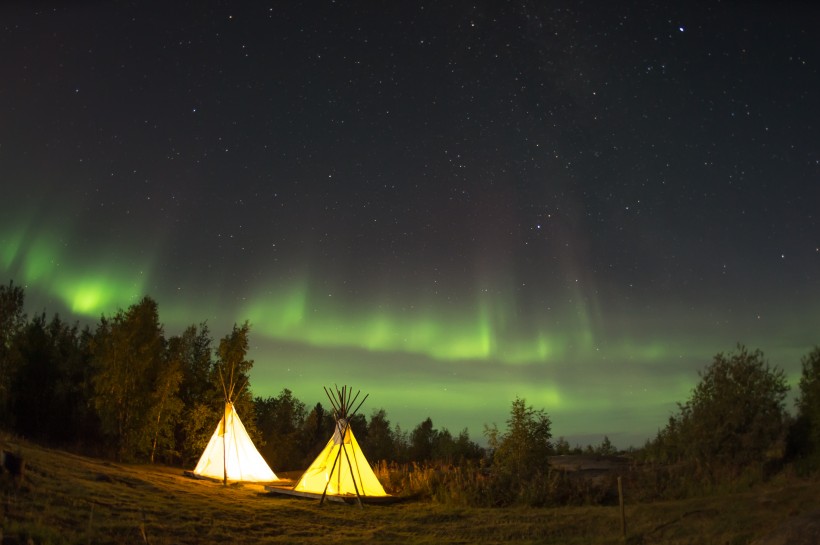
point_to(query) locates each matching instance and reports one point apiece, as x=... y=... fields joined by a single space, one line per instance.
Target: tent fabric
x=350 y=464
x=243 y=461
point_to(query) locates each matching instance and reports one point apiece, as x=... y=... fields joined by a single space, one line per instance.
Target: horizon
x=578 y=424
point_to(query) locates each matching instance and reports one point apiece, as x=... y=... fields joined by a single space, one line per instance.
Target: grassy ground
x=65 y=498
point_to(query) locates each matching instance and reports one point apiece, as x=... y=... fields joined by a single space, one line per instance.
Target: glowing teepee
x=341 y=468
x=230 y=454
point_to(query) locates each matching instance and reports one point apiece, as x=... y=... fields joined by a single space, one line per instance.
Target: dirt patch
x=798 y=530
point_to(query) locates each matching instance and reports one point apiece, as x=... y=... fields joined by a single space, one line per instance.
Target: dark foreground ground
x=64 y=498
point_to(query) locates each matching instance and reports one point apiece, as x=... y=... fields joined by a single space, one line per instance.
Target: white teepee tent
x=231 y=455
x=341 y=469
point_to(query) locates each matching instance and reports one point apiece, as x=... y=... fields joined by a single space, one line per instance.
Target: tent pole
x=324 y=492
x=224 y=448
x=332 y=402
x=352 y=475
x=353 y=401
x=360 y=405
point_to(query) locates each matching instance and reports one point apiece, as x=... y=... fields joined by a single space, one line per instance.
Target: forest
x=125 y=391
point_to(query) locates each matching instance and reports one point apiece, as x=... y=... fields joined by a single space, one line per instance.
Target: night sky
x=445 y=205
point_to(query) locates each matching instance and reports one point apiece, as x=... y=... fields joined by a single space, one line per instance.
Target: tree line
x=126 y=391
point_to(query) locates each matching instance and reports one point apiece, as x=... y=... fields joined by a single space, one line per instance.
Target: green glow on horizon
x=87 y=290
x=293 y=311
x=88 y=298
x=98 y=293
x=460 y=361
x=432 y=332
x=40 y=261
x=653 y=351
x=547 y=397
x=539 y=349
x=647 y=351
x=10 y=244
x=377 y=332
x=488 y=328
x=91 y=296
x=284 y=316
x=487 y=332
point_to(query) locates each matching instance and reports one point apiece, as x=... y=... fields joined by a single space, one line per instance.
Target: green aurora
x=460 y=364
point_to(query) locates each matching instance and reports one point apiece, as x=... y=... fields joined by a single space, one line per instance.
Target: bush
x=525 y=447
x=733 y=422
x=471 y=484
x=805 y=431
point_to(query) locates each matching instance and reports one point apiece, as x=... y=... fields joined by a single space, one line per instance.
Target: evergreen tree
x=280 y=421
x=378 y=445
x=316 y=431
x=48 y=396
x=128 y=354
x=466 y=449
x=196 y=428
x=444 y=447
x=12 y=321
x=34 y=382
x=358 y=425
x=422 y=439
x=606 y=448
x=525 y=446
x=165 y=405
x=562 y=446
x=232 y=372
x=193 y=349
x=201 y=402
x=401 y=445
x=77 y=423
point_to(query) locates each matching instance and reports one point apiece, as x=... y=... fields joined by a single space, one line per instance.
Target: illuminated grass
x=70 y=499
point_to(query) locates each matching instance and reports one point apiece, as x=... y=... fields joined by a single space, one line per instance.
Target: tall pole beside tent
x=224 y=448
x=225 y=425
x=332 y=468
x=349 y=465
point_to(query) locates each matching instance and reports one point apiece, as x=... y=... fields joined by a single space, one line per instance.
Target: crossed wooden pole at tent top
x=341 y=404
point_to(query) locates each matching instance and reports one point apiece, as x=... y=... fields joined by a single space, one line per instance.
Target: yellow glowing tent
x=231 y=455
x=341 y=469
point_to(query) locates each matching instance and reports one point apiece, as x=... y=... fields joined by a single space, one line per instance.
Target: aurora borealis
x=445 y=205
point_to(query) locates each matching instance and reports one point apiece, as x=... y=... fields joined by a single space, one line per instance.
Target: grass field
x=64 y=498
